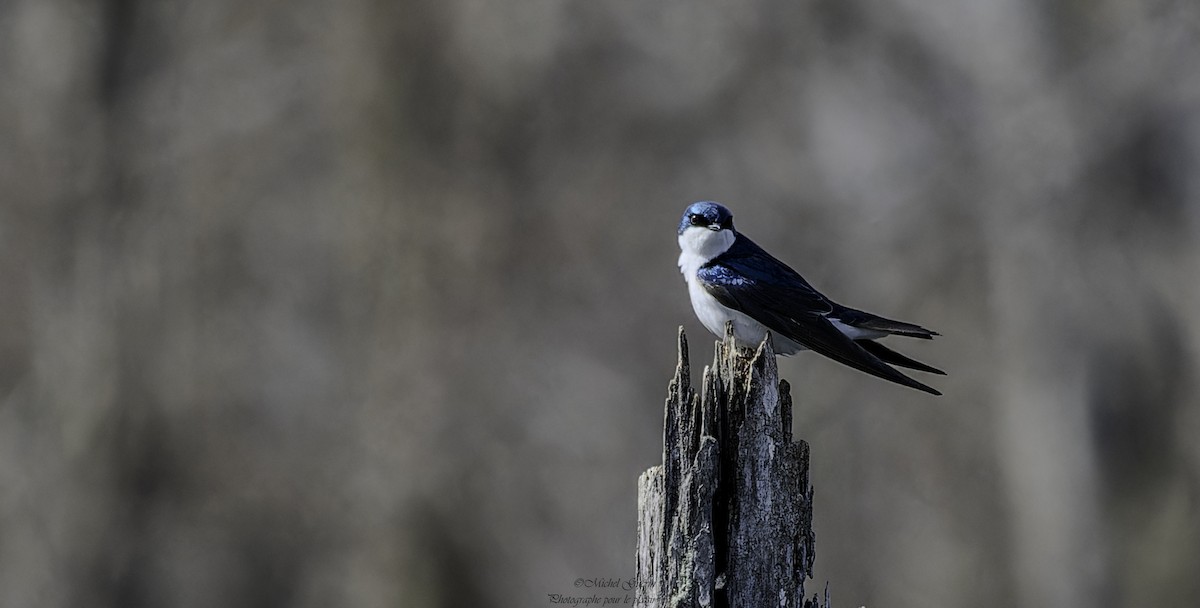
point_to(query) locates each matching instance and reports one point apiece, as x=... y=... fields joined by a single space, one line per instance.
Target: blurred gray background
x=370 y=303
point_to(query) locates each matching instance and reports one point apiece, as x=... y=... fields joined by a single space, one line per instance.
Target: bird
x=730 y=278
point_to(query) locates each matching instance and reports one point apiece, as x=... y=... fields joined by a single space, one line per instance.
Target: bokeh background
x=369 y=303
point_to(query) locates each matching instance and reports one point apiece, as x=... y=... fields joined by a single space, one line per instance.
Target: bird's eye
x=697 y=220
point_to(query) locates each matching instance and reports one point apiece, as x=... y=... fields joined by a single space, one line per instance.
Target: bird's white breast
x=698 y=246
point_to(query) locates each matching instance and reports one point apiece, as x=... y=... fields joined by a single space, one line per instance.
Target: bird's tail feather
x=898 y=328
x=866 y=320
x=888 y=355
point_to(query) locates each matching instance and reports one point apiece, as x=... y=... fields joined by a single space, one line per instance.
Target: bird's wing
x=747 y=266
x=750 y=281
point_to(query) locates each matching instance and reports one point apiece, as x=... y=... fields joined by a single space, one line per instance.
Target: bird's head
x=707 y=215
x=706 y=230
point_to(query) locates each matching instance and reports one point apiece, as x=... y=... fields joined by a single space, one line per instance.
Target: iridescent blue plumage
x=746 y=266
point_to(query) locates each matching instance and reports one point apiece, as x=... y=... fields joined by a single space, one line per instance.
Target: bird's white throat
x=698 y=245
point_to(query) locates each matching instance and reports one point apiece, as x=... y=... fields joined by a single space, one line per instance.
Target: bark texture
x=726 y=520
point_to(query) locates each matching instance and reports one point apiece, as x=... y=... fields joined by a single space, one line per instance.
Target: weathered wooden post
x=726 y=519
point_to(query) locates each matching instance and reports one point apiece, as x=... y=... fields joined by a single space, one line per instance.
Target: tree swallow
x=730 y=278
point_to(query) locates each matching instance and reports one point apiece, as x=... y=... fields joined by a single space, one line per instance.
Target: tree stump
x=726 y=520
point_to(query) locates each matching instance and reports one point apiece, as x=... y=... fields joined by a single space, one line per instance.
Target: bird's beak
x=714 y=227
